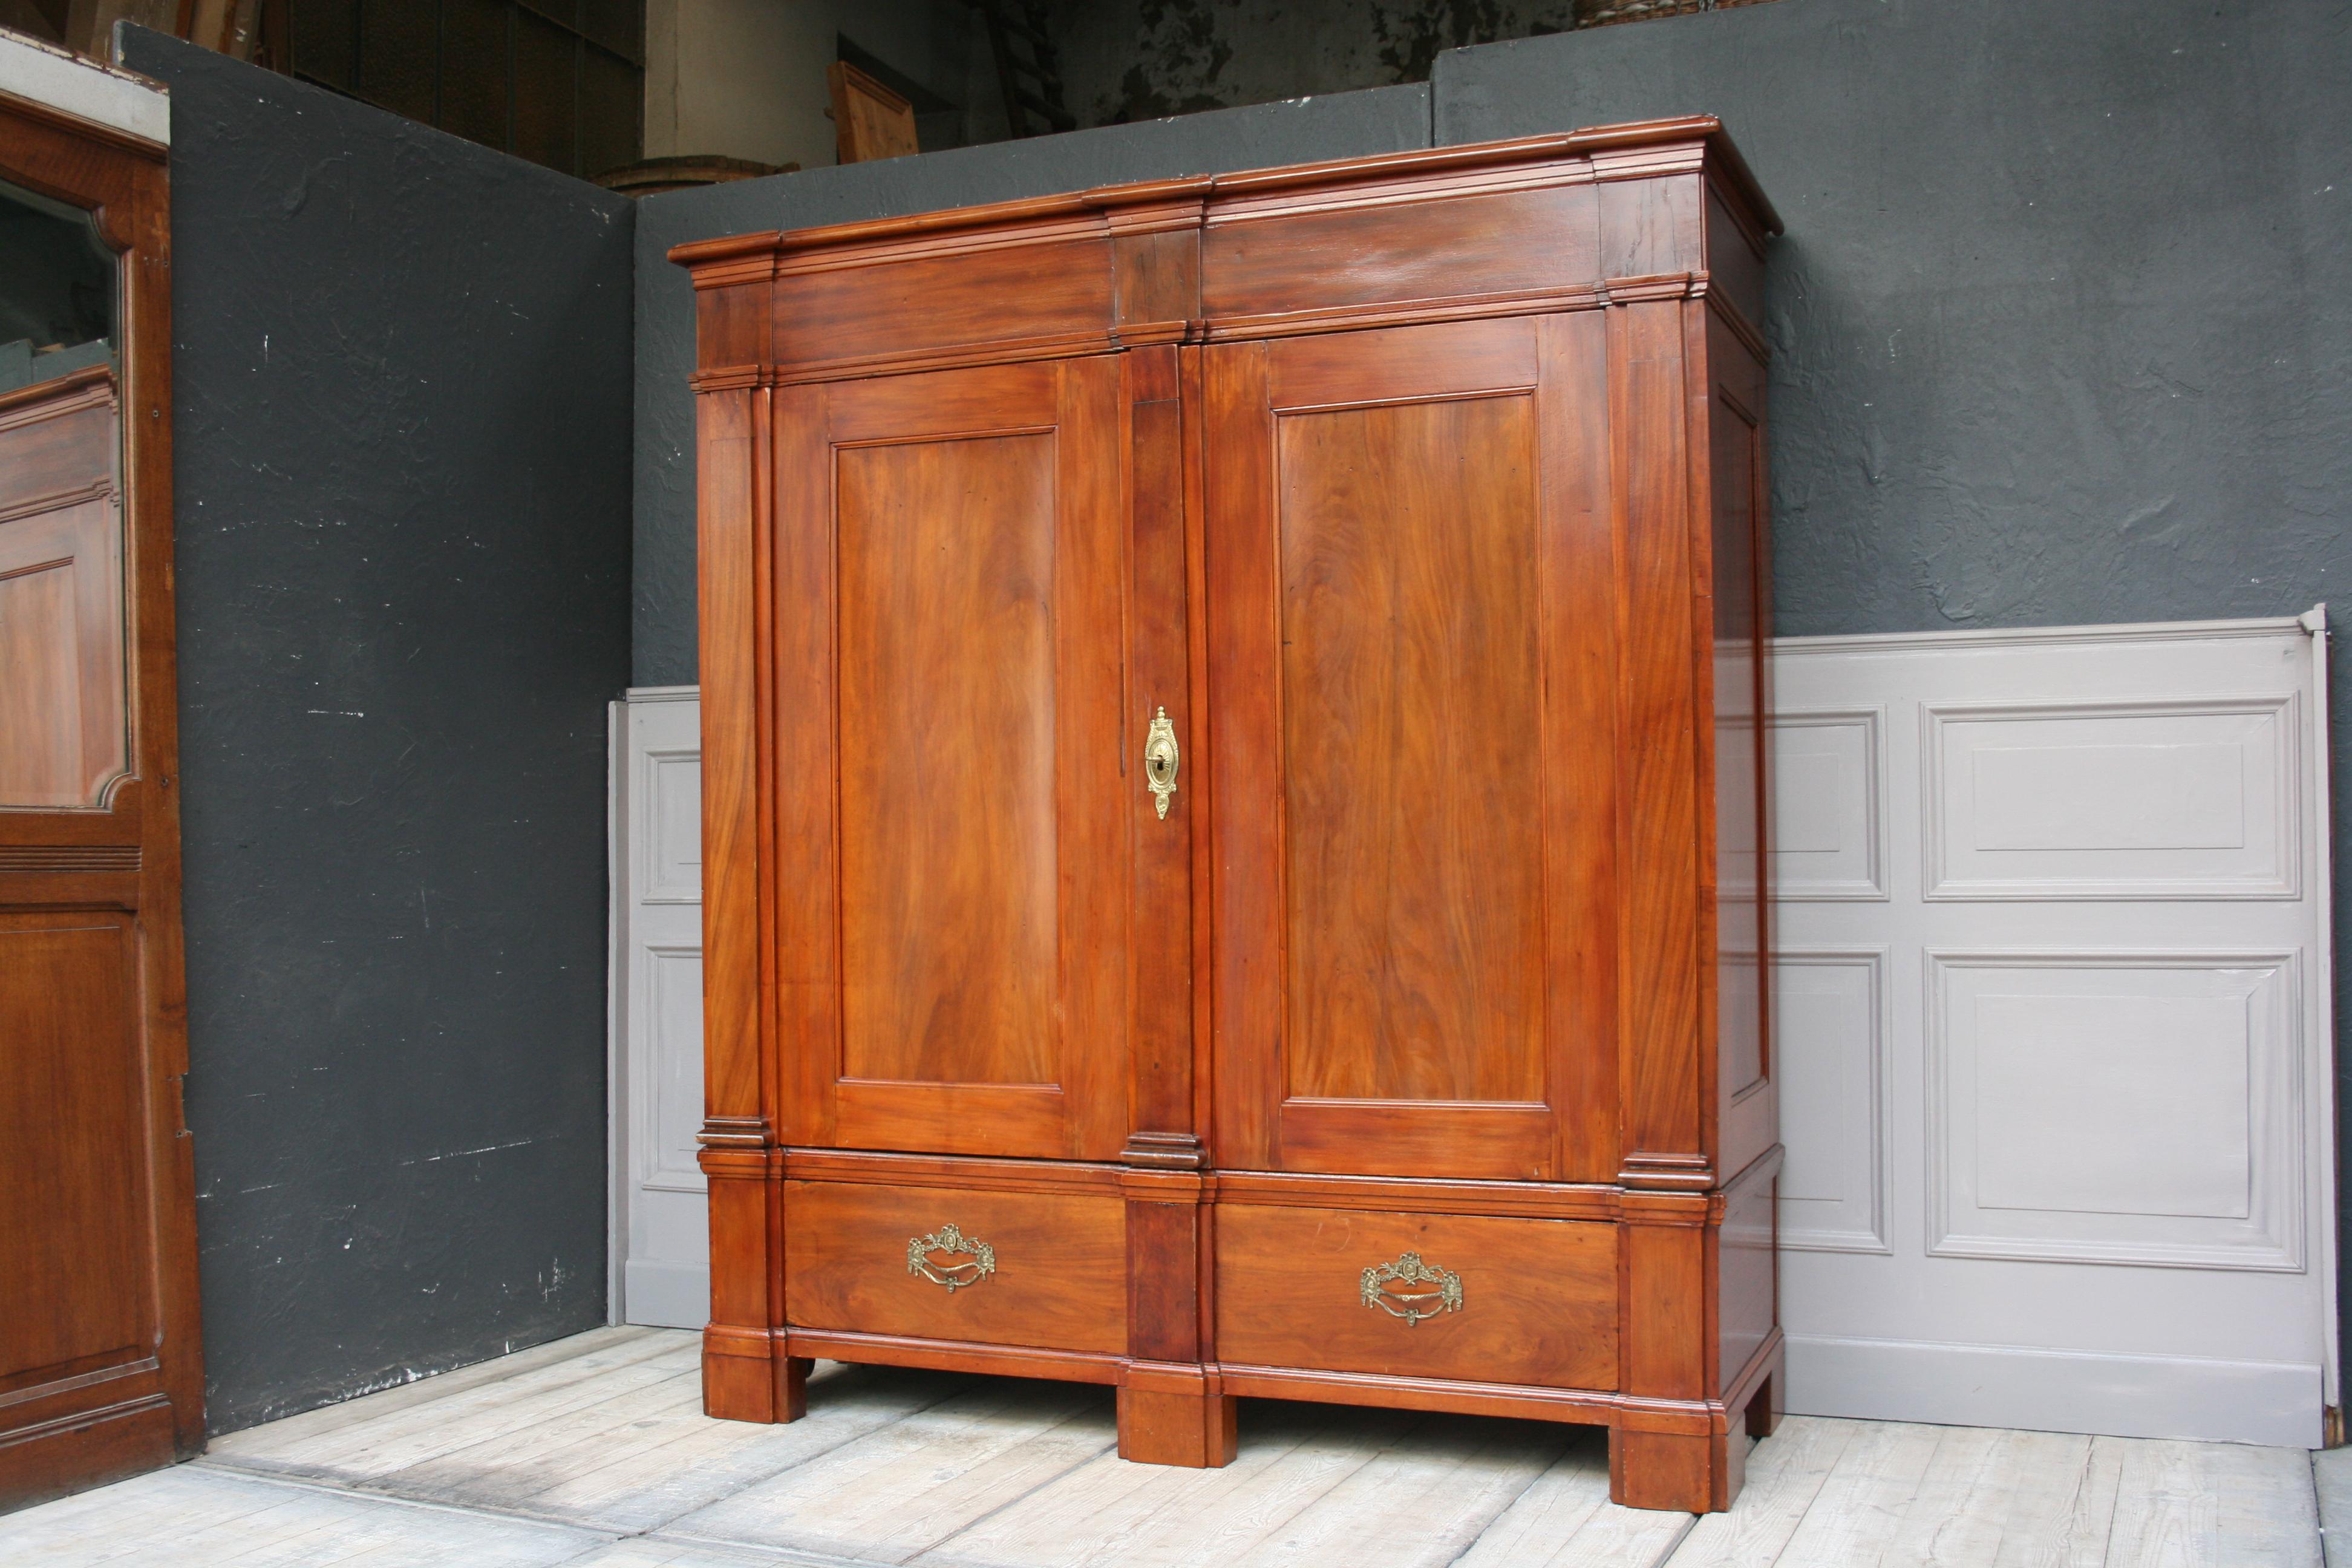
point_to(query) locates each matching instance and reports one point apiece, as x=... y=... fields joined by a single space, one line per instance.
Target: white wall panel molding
x=1831 y=1020
x=1878 y=644
x=2201 y=1398
x=1829 y=804
x=670 y=1112
x=2115 y=1107
x=2088 y=967
x=670 y=852
x=660 y=1238
x=2167 y=800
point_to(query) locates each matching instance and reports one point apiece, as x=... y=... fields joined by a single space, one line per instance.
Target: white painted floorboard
x=593 y=1453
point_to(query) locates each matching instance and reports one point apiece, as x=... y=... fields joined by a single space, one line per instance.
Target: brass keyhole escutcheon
x=1160 y=761
x=948 y=1257
x=1412 y=1290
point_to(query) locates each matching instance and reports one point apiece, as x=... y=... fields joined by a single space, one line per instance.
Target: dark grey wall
x=2061 y=318
x=1343 y=125
x=402 y=399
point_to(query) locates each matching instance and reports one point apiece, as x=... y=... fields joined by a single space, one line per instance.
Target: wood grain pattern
x=1475 y=246
x=964 y=721
x=1580 y=737
x=1540 y=1297
x=1425 y=494
x=870 y=118
x=64 y=731
x=70 y=1099
x=1408 y=678
x=1060 y=1267
x=949 y=884
x=104 y=1369
x=1660 y=815
x=1411 y=764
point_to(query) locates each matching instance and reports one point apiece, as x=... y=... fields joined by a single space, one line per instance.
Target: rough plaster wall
x=2061 y=320
x=402 y=464
x=1135 y=59
x=1348 y=124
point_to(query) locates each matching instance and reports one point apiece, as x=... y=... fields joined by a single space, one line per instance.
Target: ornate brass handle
x=1159 y=762
x=951 y=1243
x=1411 y=1305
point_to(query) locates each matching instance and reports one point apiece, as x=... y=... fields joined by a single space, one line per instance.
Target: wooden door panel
x=62 y=733
x=948 y=887
x=966 y=724
x=70 y=1104
x=1412 y=773
x=1403 y=727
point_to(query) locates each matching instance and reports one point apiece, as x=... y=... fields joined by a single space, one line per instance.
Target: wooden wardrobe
x=1233 y=797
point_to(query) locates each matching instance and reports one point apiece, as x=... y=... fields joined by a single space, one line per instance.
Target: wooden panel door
x=952 y=772
x=1409 y=622
x=101 y=1371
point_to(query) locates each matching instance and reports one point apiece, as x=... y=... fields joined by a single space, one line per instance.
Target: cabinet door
x=1408 y=555
x=951 y=821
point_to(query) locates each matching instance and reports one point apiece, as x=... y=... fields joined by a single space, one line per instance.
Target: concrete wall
x=400 y=449
x=1340 y=126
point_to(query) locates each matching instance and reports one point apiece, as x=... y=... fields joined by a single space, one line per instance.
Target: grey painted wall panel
x=1384 y=120
x=401 y=396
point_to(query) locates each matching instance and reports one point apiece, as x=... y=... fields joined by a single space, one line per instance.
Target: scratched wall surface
x=402 y=399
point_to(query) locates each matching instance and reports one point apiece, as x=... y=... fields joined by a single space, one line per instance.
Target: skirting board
x=667 y=1295
x=2271 y=1402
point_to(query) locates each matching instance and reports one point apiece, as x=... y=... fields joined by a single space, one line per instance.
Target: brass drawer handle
x=1411 y=1305
x=1159 y=762
x=951 y=1242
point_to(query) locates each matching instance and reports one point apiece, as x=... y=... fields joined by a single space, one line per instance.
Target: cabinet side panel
x=1748 y=1123
x=1747 y=1272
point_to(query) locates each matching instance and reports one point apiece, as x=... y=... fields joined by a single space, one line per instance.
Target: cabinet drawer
x=1492 y=1300
x=1053 y=1274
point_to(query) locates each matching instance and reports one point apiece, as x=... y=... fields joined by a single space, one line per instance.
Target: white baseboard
x=665 y=1295
x=2272 y=1403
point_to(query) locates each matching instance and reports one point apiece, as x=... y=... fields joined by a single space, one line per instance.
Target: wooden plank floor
x=594 y=1452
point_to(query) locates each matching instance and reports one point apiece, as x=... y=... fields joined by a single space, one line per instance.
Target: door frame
x=98 y=139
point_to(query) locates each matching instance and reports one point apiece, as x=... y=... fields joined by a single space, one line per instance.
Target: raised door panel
x=963 y=912
x=73 y=1115
x=63 y=735
x=1404 y=714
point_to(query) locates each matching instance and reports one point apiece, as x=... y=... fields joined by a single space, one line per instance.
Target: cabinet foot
x=1764 y=1407
x=739 y=1387
x=1681 y=1474
x=1193 y=1430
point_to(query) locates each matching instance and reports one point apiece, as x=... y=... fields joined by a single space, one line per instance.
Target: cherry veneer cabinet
x=1410 y=1049
x=100 y=1370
